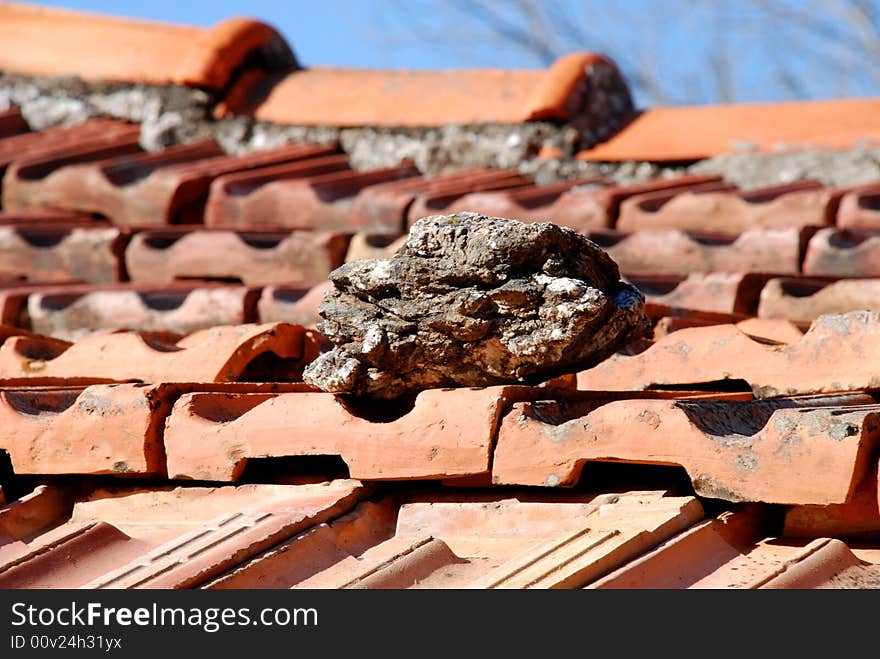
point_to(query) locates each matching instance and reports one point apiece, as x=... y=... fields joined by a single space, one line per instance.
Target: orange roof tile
x=57 y=42
x=371 y=97
x=690 y=133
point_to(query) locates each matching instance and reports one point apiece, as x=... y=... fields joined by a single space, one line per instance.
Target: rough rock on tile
x=804 y=299
x=788 y=451
x=218 y=354
x=473 y=301
x=840 y=352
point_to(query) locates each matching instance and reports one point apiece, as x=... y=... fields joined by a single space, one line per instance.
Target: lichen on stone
x=471 y=300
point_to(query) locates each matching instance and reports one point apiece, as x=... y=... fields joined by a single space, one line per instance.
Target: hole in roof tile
x=603 y=239
x=159 y=343
x=712 y=240
x=294 y=470
x=40 y=403
x=733 y=385
x=258 y=241
x=269 y=367
x=846 y=239
x=14 y=486
x=380 y=240
x=869 y=202
x=223 y=280
x=653 y=205
x=227 y=407
x=618 y=477
x=651 y=286
x=163 y=300
x=801 y=288
x=58 y=302
x=288 y=295
x=41 y=239
x=378 y=411
x=38 y=349
x=160 y=241
x=128 y=173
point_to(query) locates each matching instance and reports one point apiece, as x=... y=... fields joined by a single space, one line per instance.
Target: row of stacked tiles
x=347 y=534
x=100 y=406
x=71 y=311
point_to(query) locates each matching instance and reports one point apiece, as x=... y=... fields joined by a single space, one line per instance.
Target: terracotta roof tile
x=547 y=444
x=58 y=42
x=98 y=429
x=12 y=123
x=319 y=202
x=466 y=543
x=35 y=512
x=730 y=449
x=695 y=132
x=365 y=245
x=722 y=292
x=290 y=304
x=676 y=252
x=249 y=198
x=859 y=517
x=390 y=206
x=804 y=299
x=171 y=539
x=527 y=203
x=427 y=442
x=371 y=97
x=60 y=252
x=167 y=187
x=836 y=354
x=72 y=311
x=719 y=208
x=860 y=208
x=843 y=253
x=255 y=257
x=731 y=552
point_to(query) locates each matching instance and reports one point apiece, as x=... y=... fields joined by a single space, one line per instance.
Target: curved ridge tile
x=575 y=84
x=58 y=42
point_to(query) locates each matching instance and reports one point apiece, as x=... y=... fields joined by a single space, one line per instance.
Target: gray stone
x=470 y=300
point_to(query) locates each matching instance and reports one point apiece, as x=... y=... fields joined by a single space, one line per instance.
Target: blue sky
x=672 y=51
